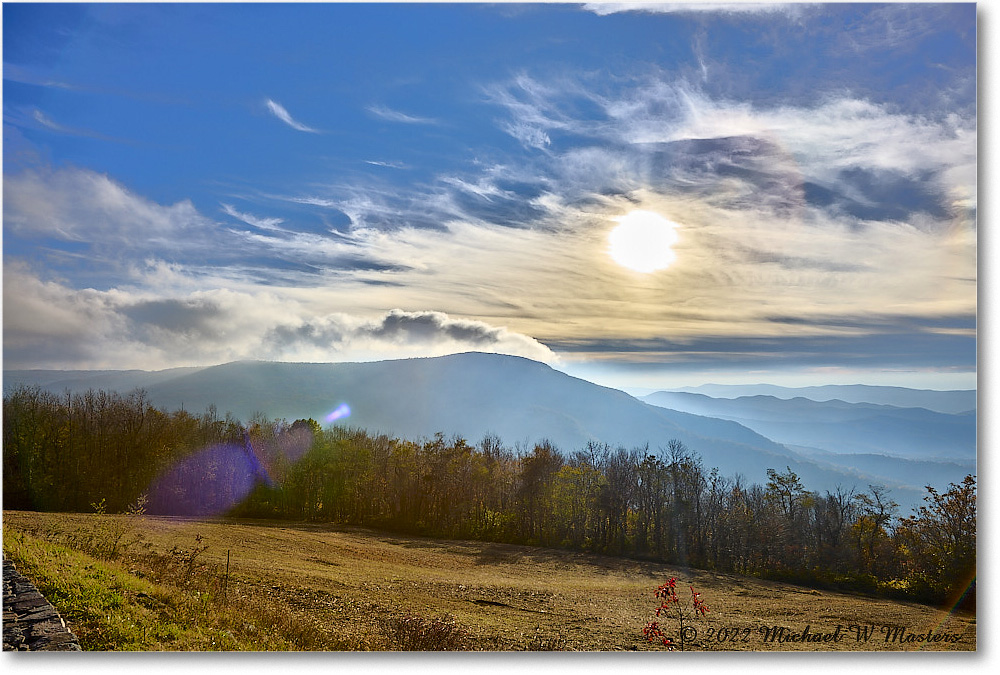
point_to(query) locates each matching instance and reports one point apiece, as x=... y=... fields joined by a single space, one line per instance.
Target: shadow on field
x=491 y=553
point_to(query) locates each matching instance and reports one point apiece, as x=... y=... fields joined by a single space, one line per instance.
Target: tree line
x=66 y=453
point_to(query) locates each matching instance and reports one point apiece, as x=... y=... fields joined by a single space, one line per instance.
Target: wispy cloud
x=534 y=108
x=605 y=8
x=391 y=115
x=18 y=73
x=82 y=219
x=483 y=188
x=667 y=128
x=279 y=111
x=28 y=75
x=40 y=117
x=47 y=122
x=893 y=26
x=310 y=201
x=387 y=165
x=249 y=219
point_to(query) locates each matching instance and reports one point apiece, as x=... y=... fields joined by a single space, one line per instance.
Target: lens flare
x=213 y=480
x=343 y=410
x=257 y=467
x=207 y=483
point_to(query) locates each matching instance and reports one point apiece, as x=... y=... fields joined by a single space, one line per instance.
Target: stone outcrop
x=30 y=623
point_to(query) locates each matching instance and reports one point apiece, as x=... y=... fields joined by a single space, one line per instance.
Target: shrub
x=111 y=536
x=671 y=606
x=417 y=634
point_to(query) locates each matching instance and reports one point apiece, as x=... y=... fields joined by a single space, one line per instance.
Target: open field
x=346 y=586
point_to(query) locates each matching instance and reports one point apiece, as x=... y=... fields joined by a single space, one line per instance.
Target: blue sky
x=190 y=184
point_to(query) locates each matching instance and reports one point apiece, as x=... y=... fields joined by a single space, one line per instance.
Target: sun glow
x=643 y=241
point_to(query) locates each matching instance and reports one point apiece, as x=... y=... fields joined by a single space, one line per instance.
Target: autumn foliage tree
x=939 y=543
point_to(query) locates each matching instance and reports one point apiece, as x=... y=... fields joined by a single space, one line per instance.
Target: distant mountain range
x=955 y=401
x=474 y=394
x=840 y=427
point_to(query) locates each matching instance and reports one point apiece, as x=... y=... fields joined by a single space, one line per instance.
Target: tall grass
x=148 y=602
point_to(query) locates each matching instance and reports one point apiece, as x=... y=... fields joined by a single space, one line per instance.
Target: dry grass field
x=350 y=587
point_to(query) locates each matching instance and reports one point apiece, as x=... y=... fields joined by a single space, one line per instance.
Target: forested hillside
x=68 y=453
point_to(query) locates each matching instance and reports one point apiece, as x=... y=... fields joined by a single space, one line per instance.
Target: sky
x=190 y=184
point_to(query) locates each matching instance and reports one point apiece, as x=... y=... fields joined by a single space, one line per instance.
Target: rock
x=30 y=623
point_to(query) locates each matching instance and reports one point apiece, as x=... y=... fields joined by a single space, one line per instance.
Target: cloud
x=310 y=201
x=533 y=109
x=388 y=165
x=279 y=111
x=35 y=119
x=400 y=334
x=841 y=207
x=664 y=130
x=606 y=8
x=51 y=325
x=893 y=26
x=80 y=205
x=35 y=77
x=836 y=207
x=82 y=221
x=46 y=122
x=483 y=188
x=530 y=136
x=49 y=124
x=878 y=342
x=260 y=223
x=26 y=75
x=391 y=115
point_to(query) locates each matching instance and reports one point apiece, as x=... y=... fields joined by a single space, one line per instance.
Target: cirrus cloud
x=606 y=8
x=386 y=113
x=279 y=111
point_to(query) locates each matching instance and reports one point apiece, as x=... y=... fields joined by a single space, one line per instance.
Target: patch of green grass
x=110 y=609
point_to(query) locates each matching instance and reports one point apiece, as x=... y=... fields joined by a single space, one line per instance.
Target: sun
x=643 y=241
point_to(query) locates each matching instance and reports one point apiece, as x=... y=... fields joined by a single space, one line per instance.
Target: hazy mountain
x=956 y=401
x=470 y=395
x=891 y=470
x=81 y=380
x=840 y=427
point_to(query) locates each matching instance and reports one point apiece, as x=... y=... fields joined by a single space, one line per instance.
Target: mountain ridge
x=470 y=395
x=945 y=400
